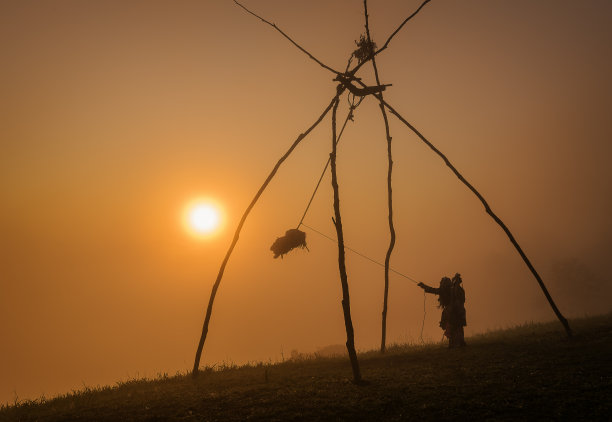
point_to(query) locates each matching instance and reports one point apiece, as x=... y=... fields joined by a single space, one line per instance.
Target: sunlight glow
x=203 y=218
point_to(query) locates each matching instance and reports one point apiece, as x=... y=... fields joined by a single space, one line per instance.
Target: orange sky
x=115 y=114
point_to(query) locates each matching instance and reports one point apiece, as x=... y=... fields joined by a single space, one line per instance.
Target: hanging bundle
x=292 y=239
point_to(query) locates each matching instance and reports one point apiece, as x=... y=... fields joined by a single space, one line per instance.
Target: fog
x=117 y=114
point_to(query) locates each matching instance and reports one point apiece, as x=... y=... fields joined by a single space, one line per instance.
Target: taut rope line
x=360 y=254
x=381 y=265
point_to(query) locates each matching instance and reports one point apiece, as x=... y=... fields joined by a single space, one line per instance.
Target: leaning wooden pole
x=383 y=337
x=489 y=211
x=346 y=303
x=215 y=287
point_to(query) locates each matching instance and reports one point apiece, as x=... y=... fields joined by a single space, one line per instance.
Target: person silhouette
x=444 y=301
x=451 y=298
x=457 y=309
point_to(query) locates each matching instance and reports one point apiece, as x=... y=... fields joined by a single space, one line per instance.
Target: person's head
x=445 y=282
x=457 y=278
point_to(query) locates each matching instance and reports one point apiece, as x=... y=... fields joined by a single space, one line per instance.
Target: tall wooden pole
x=346 y=303
x=383 y=337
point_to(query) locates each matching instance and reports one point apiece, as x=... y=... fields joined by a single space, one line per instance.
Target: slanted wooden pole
x=491 y=214
x=383 y=336
x=346 y=303
x=215 y=287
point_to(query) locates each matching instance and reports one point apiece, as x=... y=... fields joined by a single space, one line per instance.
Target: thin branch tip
x=302 y=49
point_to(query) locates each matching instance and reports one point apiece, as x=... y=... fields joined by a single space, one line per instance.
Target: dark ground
x=532 y=372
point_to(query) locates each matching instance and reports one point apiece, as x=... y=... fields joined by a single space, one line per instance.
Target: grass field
x=531 y=372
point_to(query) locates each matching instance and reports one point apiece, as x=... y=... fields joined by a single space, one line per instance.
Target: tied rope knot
x=345 y=81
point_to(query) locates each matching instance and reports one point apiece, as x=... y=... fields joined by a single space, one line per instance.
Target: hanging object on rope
x=292 y=239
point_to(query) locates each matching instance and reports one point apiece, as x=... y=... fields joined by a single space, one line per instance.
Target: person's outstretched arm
x=428 y=289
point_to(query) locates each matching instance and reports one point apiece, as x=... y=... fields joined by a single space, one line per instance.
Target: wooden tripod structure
x=367 y=52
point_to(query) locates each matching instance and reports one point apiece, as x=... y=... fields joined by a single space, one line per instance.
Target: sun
x=203 y=217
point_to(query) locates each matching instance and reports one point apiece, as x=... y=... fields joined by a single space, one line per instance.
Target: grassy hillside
x=529 y=372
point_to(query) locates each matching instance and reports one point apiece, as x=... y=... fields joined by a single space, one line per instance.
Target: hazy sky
x=115 y=114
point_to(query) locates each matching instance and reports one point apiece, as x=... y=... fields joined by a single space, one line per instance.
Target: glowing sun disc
x=202 y=218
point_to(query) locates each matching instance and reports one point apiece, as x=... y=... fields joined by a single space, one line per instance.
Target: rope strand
x=349 y=116
x=424 y=313
x=381 y=265
x=360 y=254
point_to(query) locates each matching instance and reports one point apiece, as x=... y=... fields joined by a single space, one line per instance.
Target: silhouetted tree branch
x=289 y=38
x=347 y=73
x=386 y=44
x=215 y=287
x=383 y=339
